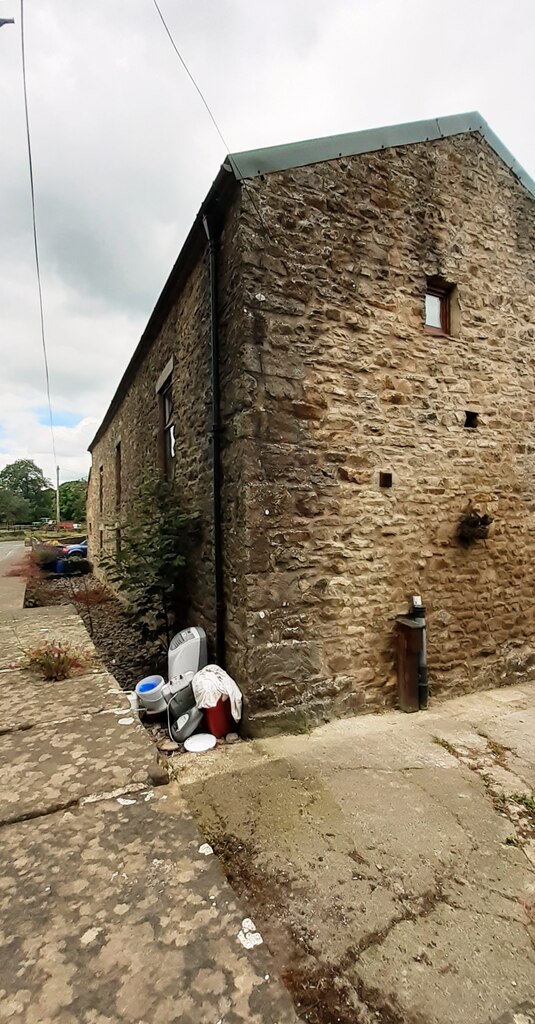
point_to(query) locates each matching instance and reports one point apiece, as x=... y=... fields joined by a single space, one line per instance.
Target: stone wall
x=183 y=337
x=343 y=382
x=329 y=378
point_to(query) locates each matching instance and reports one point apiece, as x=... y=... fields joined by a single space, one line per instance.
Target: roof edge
x=195 y=239
x=254 y=162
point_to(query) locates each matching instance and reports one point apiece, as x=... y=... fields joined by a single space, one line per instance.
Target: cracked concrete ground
x=110 y=910
x=388 y=860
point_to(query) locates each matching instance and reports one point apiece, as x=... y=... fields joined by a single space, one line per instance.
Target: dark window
x=438 y=306
x=385 y=479
x=101 y=489
x=118 y=481
x=100 y=539
x=167 y=429
x=118 y=542
x=471 y=420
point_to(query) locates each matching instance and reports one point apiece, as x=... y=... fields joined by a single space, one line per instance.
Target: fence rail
x=8 y=528
x=39 y=528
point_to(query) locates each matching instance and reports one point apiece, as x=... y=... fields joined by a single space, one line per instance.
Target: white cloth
x=211 y=683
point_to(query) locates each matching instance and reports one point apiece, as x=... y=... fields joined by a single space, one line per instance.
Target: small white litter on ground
x=248 y=935
x=90 y=935
x=206 y=849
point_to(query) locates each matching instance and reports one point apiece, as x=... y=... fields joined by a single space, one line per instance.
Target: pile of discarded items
x=196 y=696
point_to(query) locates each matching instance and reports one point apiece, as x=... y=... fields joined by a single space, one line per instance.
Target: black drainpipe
x=216 y=447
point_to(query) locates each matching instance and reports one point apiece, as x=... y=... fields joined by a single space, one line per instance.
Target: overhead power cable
x=34 y=223
x=207 y=106
x=190 y=76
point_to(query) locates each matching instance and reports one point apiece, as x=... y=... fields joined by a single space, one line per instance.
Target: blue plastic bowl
x=150 y=683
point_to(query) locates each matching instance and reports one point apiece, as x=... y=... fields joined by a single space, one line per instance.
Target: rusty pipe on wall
x=411 y=657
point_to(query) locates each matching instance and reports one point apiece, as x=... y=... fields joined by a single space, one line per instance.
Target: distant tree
x=48 y=504
x=72 y=496
x=25 y=480
x=13 y=508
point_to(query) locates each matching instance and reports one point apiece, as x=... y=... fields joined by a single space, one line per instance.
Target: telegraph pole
x=11 y=21
x=57 y=495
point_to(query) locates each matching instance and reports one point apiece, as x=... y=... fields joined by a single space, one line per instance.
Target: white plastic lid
x=199 y=742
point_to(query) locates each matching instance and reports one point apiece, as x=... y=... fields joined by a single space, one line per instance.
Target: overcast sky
x=124 y=153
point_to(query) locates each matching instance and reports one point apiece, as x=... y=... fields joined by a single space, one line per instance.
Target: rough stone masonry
x=332 y=386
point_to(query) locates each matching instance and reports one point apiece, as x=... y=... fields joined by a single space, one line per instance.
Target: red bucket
x=219 y=719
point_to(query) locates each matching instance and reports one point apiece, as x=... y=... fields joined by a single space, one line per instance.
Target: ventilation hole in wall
x=385 y=479
x=471 y=420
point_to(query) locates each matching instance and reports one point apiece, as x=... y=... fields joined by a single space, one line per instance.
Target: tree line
x=26 y=496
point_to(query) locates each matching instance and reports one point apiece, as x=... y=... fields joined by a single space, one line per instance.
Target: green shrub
x=149 y=568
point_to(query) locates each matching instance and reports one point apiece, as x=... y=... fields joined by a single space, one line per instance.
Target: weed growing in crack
x=55 y=661
x=173 y=770
x=512 y=840
x=525 y=800
x=498 y=751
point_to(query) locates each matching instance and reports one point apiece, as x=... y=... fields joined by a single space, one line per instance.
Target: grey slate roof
x=251 y=163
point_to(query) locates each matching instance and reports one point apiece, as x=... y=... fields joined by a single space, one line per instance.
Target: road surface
x=12 y=588
x=9 y=551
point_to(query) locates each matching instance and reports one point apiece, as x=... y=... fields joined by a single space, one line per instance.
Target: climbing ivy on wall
x=148 y=566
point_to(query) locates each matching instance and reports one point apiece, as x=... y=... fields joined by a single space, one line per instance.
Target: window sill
x=437 y=333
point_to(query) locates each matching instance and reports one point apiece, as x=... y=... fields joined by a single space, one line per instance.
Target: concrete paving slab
x=110 y=908
x=26 y=700
x=516 y=730
x=464 y=798
x=421 y=961
x=522 y=1013
x=111 y=913
x=42 y=769
x=401 y=825
x=388 y=870
x=22 y=630
x=33 y=619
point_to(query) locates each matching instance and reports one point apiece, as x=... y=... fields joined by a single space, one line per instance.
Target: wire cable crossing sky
x=123 y=156
x=34 y=226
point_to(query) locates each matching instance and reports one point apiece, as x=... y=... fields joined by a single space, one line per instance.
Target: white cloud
x=124 y=152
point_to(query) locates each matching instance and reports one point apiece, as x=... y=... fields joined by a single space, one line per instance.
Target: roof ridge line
x=270 y=159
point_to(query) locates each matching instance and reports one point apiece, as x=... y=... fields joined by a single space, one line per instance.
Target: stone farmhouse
x=341 y=362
